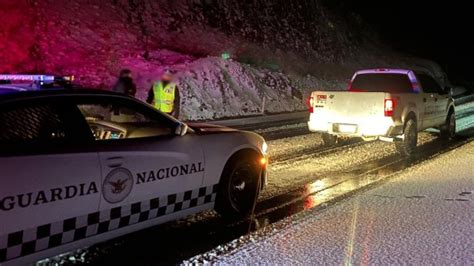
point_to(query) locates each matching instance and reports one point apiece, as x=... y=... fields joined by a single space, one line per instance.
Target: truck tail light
x=311 y=104
x=389 y=107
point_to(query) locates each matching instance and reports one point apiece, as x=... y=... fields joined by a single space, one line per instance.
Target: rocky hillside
x=279 y=50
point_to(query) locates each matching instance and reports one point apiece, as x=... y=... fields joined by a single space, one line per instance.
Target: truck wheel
x=448 y=131
x=238 y=188
x=329 y=140
x=408 y=145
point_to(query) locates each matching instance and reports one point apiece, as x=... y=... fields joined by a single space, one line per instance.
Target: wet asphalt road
x=174 y=242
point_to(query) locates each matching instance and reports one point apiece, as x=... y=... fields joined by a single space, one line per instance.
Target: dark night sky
x=439 y=31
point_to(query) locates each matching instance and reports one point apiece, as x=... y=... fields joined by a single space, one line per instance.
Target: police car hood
x=205 y=128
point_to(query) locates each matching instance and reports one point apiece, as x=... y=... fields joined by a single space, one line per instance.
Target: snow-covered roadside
x=422 y=216
x=467 y=119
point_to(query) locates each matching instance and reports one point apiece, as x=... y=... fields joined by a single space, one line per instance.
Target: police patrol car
x=83 y=166
x=13 y=83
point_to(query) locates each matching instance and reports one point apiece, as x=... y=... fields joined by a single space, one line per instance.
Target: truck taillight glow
x=389 y=107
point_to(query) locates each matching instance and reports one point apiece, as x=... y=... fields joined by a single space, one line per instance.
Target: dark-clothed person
x=125 y=83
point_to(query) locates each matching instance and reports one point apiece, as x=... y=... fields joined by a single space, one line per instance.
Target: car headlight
x=264 y=148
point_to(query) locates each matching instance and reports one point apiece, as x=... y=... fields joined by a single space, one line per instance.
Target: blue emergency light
x=45 y=78
x=36 y=82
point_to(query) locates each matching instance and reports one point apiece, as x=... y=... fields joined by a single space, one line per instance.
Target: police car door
x=49 y=181
x=149 y=173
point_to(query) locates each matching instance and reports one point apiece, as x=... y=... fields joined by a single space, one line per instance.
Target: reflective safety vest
x=164 y=97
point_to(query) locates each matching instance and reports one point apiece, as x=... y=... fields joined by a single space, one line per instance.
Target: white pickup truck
x=386 y=104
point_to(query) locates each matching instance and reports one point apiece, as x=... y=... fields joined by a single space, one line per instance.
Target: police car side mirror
x=181 y=129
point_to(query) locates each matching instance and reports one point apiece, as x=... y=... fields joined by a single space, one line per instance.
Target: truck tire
x=239 y=187
x=448 y=130
x=407 y=146
x=329 y=140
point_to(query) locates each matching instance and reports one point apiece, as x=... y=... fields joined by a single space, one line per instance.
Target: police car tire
x=230 y=206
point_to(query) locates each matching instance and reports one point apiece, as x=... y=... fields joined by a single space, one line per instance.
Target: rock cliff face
x=279 y=50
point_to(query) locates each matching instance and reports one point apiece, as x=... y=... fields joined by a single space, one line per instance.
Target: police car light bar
x=34 y=77
x=27 y=77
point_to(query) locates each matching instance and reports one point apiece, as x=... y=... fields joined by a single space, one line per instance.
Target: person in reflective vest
x=164 y=95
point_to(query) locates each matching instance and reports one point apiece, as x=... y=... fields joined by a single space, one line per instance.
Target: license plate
x=347 y=128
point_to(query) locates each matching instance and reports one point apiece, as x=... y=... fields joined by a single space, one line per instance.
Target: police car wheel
x=239 y=187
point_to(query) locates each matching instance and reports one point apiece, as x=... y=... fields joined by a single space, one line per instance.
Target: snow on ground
x=230 y=89
x=293 y=146
x=467 y=119
x=423 y=216
x=281 y=128
x=306 y=165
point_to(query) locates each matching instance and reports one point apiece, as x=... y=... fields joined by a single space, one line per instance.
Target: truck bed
x=350 y=113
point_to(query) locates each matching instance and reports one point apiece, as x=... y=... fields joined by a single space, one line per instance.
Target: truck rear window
x=395 y=83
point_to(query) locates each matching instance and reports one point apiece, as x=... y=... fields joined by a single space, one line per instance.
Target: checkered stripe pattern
x=51 y=235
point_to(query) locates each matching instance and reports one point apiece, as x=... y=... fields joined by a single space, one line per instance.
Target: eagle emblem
x=117 y=185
